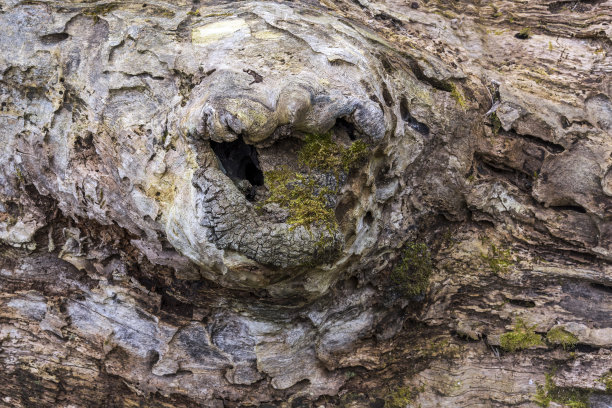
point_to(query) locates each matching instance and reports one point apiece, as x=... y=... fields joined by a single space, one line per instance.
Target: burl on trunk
x=311 y=203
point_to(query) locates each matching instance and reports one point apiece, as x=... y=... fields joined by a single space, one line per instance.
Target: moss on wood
x=499 y=259
x=308 y=201
x=568 y=397
x=560 y=336
x=458 y=96
x=320 y=152
x=302 y=196
x=412 y=273
x=521 y=337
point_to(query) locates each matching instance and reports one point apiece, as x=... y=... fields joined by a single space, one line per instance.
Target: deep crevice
x=178 y=373
x=388 y=17
x=550 y=146
x=486 y=167
x=344 y=125
x=174 y=306
x=601 y=286
x=521 y=302
x=586 y=348
x=368 y=219
x=418 y=73
x=576 y=208
x=412 y=122
x=387 y=95
x=239 y=161
x=54 y=38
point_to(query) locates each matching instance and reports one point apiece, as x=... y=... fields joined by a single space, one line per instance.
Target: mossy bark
x=459 y=183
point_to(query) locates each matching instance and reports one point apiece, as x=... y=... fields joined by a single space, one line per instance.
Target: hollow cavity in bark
x=239 y=161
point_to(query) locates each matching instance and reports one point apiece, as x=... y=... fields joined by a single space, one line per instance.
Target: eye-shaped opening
x=239 y=161
x=343 y=126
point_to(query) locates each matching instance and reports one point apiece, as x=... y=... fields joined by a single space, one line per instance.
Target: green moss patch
x=524 y=34
x=606 y=380
x=498 y=259
x=458 y=96
x=302 y=196
x=568 y=397
x=320 y=152
x=521 y=337
x=560 y=336
x=402 y=396
x=412 y=273
x=307 y=201
x=497 y=125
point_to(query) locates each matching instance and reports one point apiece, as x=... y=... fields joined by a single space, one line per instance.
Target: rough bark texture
x=145 y=261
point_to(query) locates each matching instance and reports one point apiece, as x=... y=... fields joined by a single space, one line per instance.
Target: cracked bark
x=136 y=270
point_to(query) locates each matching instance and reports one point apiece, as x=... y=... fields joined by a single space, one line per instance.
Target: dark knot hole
x=239 y=161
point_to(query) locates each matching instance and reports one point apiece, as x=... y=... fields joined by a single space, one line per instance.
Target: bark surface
x=312 y=203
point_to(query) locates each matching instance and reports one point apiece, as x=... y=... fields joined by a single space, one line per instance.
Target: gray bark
x=141 y=263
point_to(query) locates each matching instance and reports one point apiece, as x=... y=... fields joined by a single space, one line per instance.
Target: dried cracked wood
x=207 y=204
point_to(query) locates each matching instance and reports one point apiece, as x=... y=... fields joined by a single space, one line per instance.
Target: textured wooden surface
x=135 y=270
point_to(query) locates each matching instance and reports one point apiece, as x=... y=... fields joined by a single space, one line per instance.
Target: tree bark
x=312 y=203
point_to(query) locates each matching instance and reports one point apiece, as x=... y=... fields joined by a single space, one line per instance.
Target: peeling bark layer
x=143 y=262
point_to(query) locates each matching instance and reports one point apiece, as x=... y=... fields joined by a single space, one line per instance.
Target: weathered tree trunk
x=336 y=203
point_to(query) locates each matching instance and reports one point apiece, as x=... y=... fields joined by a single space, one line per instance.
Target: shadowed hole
x=239 y=161
x=368 y=219
x=521 y=302
x=575 y=208
x=344 y=126
x=387 y=95
x=54 y=38
x=412 y=122
x=344 y=207
x=523 y=35
x=172 y=305
x=152 y=357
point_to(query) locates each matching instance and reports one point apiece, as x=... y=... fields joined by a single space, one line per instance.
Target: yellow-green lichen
x=400 y=397
x=100 y=9
x=320 y=152
x=20 y=178
x=355 y=154
x=606 y=380
x=496 y=123
x=496 y=12
x=458 y=96
x=521 y=337
x=558 y=335
x=446 y=14
x=524 y=34
x=498 y=259
x=301 y=194
x=412 y=273
x=568 y=397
